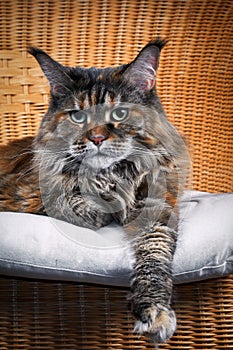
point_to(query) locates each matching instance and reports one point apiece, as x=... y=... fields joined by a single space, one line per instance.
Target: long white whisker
x=28 y=171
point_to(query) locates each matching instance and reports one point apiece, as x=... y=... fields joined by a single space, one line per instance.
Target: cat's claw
x=159 y=323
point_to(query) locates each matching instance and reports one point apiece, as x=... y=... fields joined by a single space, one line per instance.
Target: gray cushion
x=40 y=247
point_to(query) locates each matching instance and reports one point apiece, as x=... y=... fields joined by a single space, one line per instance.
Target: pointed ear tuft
x=142 y=71
x=57 y=75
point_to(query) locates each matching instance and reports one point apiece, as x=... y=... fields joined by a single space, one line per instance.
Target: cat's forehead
x=98 y=95
x=97 y=86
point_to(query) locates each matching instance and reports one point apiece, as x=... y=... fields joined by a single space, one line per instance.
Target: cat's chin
x=100 y=161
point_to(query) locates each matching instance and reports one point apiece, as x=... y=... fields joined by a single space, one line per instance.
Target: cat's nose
x=97 y=139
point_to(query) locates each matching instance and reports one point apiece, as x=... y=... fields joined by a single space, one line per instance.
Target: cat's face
x=103 y=134
x=101 y=116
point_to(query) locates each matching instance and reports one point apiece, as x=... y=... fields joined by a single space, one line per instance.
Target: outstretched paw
x=158 y=322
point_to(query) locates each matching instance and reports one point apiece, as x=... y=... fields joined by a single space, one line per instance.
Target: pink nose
x=97 y=139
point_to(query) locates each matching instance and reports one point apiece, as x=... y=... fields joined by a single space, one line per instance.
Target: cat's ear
x=142 y=71
x=57 y=75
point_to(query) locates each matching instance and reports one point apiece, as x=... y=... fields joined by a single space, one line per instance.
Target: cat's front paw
x=156 y=321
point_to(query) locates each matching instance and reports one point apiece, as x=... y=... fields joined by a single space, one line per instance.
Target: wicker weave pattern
x=65 y=316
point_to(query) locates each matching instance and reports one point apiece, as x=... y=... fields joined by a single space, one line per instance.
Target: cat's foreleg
x=87 y=213
x=151 y=283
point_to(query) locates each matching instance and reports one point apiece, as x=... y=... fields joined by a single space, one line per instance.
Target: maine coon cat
x=105 y=151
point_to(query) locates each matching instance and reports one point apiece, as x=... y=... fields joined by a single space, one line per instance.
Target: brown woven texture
x=195 y=86
x=46 y=315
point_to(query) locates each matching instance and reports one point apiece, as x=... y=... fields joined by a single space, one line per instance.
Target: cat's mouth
x=103 y=157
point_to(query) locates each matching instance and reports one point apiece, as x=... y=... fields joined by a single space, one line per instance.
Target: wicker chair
x=195 y=86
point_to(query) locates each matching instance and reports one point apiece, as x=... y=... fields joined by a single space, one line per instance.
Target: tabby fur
x=105 y=151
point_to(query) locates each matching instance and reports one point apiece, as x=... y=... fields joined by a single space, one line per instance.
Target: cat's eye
x=119 y=114
x=78 y=117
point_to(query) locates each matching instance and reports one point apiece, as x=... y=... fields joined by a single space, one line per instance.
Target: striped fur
x=105 y=151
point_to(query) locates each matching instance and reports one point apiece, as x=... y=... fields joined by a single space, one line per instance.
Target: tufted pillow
x=40 y=247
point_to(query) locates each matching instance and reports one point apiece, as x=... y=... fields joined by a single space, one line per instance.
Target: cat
x=104 y=152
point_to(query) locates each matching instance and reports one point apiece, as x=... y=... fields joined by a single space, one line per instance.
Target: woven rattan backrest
x=195 y=74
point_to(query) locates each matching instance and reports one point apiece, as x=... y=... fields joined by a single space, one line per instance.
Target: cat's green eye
x=119 y=114
x=78 y=117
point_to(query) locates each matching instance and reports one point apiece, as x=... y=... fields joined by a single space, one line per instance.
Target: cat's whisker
x=30 y=152
x=26 y=173
x=21 y=154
